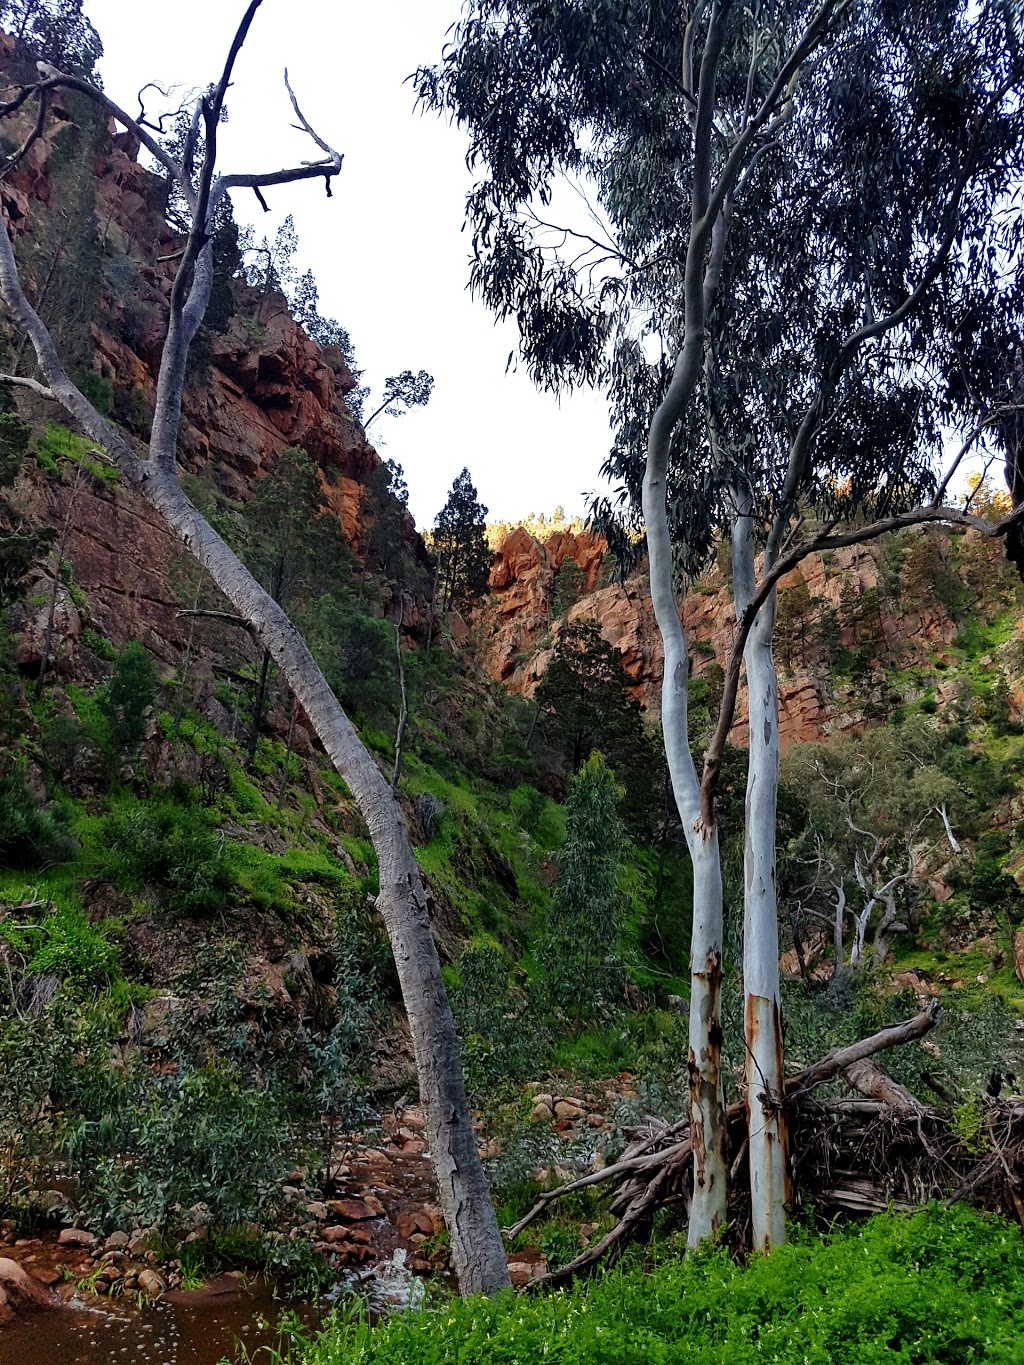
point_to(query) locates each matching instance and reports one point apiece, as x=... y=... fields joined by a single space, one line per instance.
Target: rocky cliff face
x=260 y=384
x=517 y=629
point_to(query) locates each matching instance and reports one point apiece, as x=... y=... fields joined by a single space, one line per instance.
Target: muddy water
x=198 y=1328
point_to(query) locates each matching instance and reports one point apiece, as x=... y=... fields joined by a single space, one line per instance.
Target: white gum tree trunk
x=704 y=1058
x=762 y=1006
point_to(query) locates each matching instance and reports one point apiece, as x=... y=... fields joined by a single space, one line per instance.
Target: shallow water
x=185 y=1329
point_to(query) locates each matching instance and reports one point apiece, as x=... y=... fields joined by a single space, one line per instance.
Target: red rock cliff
x=262 y=385
x=517 y=632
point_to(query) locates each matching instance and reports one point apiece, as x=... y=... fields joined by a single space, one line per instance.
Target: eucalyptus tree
x=585 y=923
x=801 y=263
x=881 y=810
x=402 y=392
x=476 y=1243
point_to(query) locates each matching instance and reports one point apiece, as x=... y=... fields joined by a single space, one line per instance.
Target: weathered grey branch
x=228 y=618
x=27 y=383
x=842 y=1057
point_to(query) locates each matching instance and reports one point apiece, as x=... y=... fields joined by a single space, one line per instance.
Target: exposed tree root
x=883 y=1150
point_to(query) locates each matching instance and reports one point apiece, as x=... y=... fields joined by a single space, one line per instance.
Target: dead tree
x=477 y=1252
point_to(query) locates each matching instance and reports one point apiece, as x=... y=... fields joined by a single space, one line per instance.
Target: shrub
x=129 y=697
x=500 y=1036
x=940 y=1286
x=32 y=833
x=167 y=844
x=75 y=950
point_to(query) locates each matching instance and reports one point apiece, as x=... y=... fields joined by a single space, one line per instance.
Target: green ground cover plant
x=939 y=1286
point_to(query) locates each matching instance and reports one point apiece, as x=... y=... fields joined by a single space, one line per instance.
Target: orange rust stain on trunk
x=760 y=1012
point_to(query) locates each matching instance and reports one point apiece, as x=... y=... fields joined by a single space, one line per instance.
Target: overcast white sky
x=387 y=250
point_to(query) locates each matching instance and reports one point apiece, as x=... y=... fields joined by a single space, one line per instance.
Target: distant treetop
x=54 y=31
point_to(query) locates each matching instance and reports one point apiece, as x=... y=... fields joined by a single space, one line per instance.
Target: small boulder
x=522 y=1272
x=46 y=1276
x=352 y=1210
x=139 y=1242
x=19 y=1288
x=151 y=1283
x=415 y=1220
x=77 y=1237
x=334 y=1235
x=117 y=1241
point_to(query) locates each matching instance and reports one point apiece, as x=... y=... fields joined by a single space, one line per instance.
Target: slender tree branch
x=982 y=426
x=33 y=136
x=27 y=383
x=125 y=119
x=228 y=618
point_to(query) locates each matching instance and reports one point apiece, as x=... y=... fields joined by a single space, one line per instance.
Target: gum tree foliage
x=129 y=697
x=877 y=811
x=54 y=31
x=294 y=547
x=460 y=546
x=584 y=704
x=585 y=922
x=404 y=391
x=801 y=265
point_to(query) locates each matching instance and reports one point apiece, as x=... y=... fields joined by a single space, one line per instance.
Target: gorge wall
x=517 y=627
x=92 y=231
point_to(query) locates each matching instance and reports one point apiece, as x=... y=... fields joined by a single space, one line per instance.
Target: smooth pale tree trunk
x=477 y=1251
x=704 y=1057
x=762 y=1006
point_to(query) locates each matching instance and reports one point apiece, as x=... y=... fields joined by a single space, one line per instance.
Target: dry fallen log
x=840 y=1058
x=885 y=1149
x=870 y=1079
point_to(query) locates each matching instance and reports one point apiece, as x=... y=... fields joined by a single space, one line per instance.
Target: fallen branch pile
x=882 y=1149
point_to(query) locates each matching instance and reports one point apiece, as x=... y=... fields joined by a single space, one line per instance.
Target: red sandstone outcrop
x=518 y=612
x=260 y=386
x=518 y=635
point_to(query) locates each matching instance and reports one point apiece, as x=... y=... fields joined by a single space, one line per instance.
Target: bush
x=75 y=951
x=129 y=697
x=32 y=833
x=501 y=1037
x=167 y=844
x=940 y=1286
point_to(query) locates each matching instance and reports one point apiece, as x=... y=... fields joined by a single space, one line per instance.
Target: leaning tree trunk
x=477 y=1251
x=762 y=1006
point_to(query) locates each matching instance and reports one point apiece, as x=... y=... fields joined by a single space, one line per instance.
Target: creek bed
x=196 y=1327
